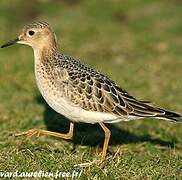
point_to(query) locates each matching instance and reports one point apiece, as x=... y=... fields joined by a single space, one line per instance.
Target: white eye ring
x=30 y=33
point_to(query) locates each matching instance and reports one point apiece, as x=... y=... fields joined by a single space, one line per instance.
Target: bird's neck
x=44 y=64
x=45 y=55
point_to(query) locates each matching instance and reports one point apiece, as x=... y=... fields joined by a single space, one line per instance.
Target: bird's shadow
x=92 y=134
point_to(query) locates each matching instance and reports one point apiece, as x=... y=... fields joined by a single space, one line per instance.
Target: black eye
x=31 y=33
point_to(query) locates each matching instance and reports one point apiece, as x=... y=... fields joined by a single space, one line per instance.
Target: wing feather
x=93 y=91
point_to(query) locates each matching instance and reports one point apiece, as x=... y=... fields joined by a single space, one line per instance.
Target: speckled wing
x=93 y=91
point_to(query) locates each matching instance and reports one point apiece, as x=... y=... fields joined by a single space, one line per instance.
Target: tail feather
x=141 y=109
x=168 y=115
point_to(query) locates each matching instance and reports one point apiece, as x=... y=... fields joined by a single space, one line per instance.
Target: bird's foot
x=87 y=164
x=30 y=133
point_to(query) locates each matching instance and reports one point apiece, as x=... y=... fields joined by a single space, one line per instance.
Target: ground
x=138 y=44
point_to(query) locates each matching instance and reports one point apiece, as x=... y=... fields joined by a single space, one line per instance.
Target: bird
x=79 y=92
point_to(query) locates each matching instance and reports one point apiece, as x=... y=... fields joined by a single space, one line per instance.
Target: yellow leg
x=39 y=132
x=106 y=142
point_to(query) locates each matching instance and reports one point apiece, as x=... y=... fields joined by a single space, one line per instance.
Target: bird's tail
x=169 y=115
x=143 y=109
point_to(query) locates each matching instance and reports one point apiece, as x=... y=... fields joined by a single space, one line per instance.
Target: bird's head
x=37 y=35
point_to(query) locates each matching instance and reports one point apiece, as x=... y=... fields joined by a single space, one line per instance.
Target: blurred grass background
x=135 y=42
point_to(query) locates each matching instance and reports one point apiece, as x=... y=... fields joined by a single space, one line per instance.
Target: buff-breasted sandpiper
x=79 y=92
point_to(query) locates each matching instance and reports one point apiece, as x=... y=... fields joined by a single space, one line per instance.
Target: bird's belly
x=75 y=113
x=58 y=101
x=61 y=104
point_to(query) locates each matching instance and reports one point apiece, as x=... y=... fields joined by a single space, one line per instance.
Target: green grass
x=135 y=42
